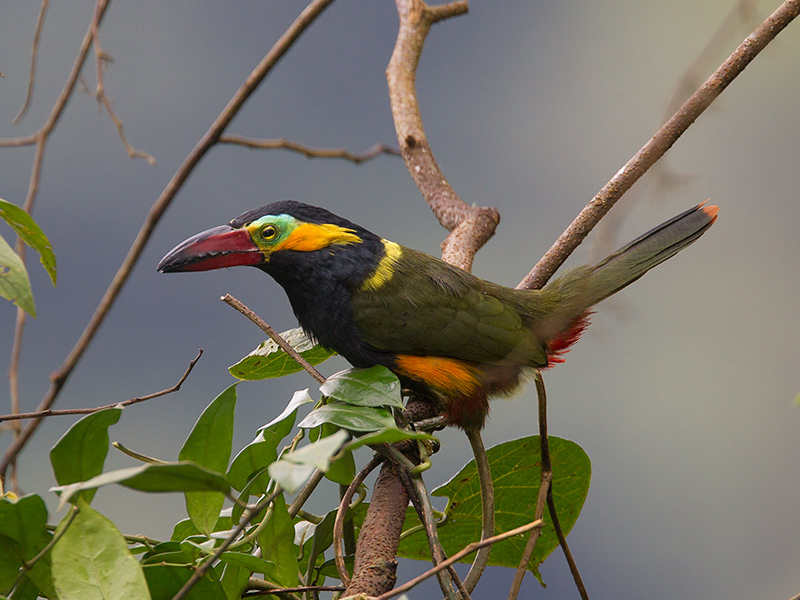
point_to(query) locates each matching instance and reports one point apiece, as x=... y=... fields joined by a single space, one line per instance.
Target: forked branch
x=470 y=226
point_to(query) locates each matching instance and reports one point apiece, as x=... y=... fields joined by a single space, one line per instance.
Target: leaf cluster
x=235 y=547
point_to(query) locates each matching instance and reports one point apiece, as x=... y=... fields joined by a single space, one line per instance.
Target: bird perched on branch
x=441 y=330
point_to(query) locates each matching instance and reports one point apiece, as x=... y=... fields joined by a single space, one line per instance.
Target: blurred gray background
x=682 y=392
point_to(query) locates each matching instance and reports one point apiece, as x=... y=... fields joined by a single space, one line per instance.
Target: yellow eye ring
x=268 y=232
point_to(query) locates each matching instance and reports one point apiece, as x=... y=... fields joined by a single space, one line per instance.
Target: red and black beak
x=215 y=248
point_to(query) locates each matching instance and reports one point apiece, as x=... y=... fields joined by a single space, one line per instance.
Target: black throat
x=319 y=285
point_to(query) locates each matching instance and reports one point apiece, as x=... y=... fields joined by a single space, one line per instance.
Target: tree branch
x=658 y=145
x=34 y=53
x=88 y=411
x=102 y=58
x=274 y=336
x=308 y=151
x=470 y=227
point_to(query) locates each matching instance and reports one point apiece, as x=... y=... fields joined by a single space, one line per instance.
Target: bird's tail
x=582 y=288
x=627 y=264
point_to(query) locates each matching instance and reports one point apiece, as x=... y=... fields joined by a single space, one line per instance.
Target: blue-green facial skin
x=270 y=231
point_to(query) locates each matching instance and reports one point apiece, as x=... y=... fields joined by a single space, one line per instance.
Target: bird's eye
x=269 y=232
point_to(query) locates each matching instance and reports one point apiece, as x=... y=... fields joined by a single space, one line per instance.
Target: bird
x=445 y=333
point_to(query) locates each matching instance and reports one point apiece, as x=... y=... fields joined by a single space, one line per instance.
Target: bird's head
x=260 y=235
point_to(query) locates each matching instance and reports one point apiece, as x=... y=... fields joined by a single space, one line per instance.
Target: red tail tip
x=711 y=211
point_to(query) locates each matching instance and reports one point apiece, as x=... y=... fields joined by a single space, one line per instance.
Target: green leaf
x=171 y=552
x=299 y=398
x=164 y=581
x=388 y=436
x=30 y=233
x=91 y=560
x=329 y=569
x=27 y=590
x=254 y=564
x=376 y=386
x=163 y=477
x=182 y=530
x=343 y=469
x=10 y=562
x=24 y=522
x=14 y=282
x=263 y=450
x=322 y=540
x=269 y=360
x=251 y=459
x=234 y=581
x=293 y=468
x=347 y=416
x=258 y=478
x=516 y=471
x=209 y=445
x=276 y=541
x=81 y=452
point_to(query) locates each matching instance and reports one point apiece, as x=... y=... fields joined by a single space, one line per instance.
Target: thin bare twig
x=132 y=152
x=263 y=590
x=545 y=497
x=349 y=532
x=544 y=487
x=547 y=485
x=449 y=581
x=447 y=577
x=562 y=540
x=459 y=555
x=274 y=336
x=25 y=140
x=102 y=58
x=338 y=524
x=309 y=151
x=34 y=53
x=88 y=411
x=59 y=378
x=658 y=145
x=487 y=507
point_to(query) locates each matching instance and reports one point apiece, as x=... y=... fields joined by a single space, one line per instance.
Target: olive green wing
x=430 y=308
